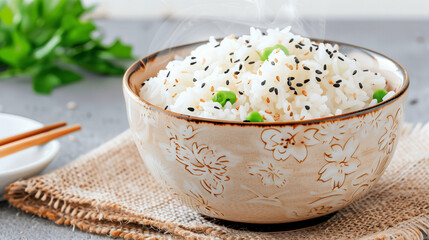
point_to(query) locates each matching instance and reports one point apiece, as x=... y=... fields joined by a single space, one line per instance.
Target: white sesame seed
x=71 y=105
x=72 y=138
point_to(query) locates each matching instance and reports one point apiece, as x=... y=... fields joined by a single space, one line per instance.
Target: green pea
x=379 y=94
x=224 y=96
x=267 y=51
x=254 y=117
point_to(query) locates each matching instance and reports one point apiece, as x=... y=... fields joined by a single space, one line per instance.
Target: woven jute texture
x=109 y=191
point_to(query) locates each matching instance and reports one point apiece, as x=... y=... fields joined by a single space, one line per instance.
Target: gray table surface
x=101 y=111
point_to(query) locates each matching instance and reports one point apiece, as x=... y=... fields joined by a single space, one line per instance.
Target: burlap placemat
x=109 y=191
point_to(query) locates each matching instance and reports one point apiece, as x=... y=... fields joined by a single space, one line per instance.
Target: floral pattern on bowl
x=264 y=172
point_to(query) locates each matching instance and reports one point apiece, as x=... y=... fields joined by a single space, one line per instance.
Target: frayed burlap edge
x=100 y=217
x=32 y=198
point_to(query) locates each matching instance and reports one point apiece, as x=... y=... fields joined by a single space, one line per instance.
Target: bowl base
x=271 y=228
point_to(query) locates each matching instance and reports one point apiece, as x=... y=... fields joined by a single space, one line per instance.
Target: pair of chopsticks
x=35 y=137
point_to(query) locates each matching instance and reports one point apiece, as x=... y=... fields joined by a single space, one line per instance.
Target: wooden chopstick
x=36 y=140
x=31 y=133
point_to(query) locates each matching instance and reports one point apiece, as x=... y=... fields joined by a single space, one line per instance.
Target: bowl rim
x=151 y=57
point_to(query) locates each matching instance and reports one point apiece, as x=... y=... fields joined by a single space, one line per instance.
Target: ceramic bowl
x=28 y=162
x=266 y=172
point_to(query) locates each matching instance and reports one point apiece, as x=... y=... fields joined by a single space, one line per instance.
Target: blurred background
x=223 y=17
x=381 y=9
x=61 y=61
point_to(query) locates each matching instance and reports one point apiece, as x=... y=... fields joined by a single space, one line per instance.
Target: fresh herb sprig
x=46 y=39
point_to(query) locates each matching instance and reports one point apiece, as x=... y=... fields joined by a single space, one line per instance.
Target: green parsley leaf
x=44 y=83
x=6 y=15
x=38 y=36
x=118 y=50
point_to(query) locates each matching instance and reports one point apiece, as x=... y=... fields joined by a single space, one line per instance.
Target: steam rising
x=196 y=20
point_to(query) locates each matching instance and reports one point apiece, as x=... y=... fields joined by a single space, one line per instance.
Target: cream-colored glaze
x=263 y=173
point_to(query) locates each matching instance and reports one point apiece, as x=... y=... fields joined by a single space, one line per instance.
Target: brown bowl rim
x=141 y=63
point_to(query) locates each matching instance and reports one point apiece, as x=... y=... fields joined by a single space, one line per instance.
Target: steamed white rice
x=315 y=80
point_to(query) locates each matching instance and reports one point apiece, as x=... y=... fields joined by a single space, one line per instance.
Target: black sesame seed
x=292 y=88
x=360 y=85
x=246 y=121
x=194 y=80
x=314 y=44
x=341 y=58
x=217 y=45
x=336 y=85
x=354 y=72
x=202 y=85
x=289 y=83
x=318 y=71
x=191 y=109
x=271 y=89
x=252 y=62
x=366 y=70
x=205 y=69
x=247 y=41
x=291 y=40
x=193 y=57
x=240 y=67
x=226 y=71
x=296 y=60
x=307 y=107
x=328 y=52
x=298 y=46
x=192 y=63
x=230 y=60
x=263 y=82
x=246 y=58
x=236 y=73
x=168 y=74
x=295 y=93
x=318 y=79
x=174 y=85
x=302 y=44
x=216 y=107
x=324 y=67
x=166 y=107
x=276 y=91
x=240 y=92
x=236 y=61
x=299 y=84
x=306 y=80
x=332 y=55
x=231 y=53
x=273 y=63
x=227 y=82
x=290 y=78
x=249 y=46
x=335 y=51
x=306 y=68
x=339 y=81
